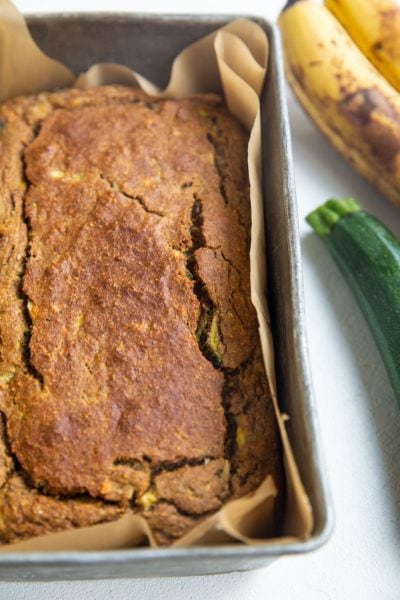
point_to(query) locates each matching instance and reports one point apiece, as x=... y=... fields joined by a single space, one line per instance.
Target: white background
x=359 y=419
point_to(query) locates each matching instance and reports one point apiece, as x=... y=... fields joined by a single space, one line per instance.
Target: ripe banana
x=352 y=104
x=374 y=25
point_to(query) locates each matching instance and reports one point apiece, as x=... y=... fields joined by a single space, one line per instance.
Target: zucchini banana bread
x=131 y=376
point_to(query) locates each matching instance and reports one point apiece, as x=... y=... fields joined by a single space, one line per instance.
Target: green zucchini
x=368 y=255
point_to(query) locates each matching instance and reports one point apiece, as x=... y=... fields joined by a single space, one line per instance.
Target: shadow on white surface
x=247 y=585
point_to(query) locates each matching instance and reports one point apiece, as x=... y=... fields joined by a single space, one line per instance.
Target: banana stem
x=288 y=4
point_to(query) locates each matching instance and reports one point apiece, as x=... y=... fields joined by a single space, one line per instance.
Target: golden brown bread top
x=130 y=366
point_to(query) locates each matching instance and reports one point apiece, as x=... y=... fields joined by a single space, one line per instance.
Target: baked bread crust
x=131 y=375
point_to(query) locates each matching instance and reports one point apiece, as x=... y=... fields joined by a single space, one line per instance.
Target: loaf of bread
x=131 y=376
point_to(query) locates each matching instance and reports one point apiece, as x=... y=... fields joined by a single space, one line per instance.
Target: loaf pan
x=149 y=44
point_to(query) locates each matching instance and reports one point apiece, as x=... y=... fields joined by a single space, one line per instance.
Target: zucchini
x=368 y=255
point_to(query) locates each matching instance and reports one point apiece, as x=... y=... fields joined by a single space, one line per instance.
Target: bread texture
x=131 y=376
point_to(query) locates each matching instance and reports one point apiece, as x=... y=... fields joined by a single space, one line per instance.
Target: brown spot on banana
x=378 y=45
x=378 y=124
x=389 y=24
x=389 y=14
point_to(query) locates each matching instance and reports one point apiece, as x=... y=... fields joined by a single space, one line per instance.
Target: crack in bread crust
x=26 y=316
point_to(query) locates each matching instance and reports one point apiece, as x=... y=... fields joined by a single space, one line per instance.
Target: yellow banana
x=352 y=104
x=374 y=25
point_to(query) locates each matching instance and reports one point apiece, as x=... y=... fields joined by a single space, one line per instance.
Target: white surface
x=359 y=419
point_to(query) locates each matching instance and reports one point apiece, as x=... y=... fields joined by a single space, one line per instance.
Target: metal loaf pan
x=148 y=44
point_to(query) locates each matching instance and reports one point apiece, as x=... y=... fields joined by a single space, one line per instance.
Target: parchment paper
x=232 y=61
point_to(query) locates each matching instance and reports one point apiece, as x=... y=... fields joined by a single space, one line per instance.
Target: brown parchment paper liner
x=232 y=61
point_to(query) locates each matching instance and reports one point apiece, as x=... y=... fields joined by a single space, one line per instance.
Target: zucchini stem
x=323 y=218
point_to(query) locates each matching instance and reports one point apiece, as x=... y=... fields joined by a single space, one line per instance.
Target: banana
x=374 y=25
x=351 y=103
